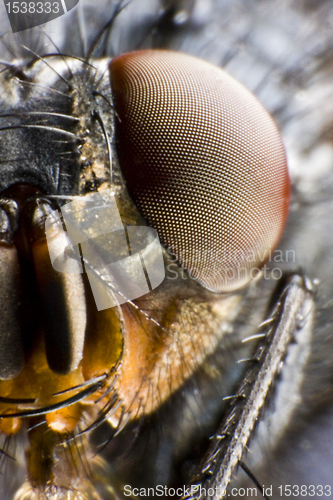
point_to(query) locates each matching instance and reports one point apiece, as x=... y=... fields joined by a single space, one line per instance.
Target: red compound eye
x=203 y=161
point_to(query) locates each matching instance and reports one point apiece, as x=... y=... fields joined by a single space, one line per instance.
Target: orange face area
x=118 y=364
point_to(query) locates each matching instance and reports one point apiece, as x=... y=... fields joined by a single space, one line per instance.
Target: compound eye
x=203 y=162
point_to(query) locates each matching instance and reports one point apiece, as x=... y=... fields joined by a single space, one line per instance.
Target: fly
x=208 y=376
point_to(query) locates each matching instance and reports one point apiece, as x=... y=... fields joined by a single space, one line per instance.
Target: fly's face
x=66 y=366
x=104 y=387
